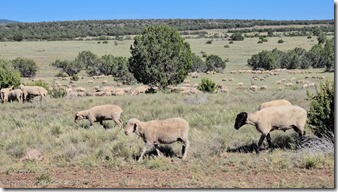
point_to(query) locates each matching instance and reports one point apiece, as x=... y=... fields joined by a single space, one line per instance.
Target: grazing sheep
x=15 y=94
x=282 y=117
x=4 y=93
x=274 y=103
x=100 y=113
x=160 y=132
x=253 y=88
x=33 y=91
x=140 y=89
x=240 y=84
x=263 y=88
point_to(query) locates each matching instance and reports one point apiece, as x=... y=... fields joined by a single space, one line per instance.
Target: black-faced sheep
x=274 y=103
x=100 y=113
x=160 y=132
x=282 y=117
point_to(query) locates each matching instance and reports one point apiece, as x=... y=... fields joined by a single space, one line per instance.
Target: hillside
x=6 y=21
x=69 y=30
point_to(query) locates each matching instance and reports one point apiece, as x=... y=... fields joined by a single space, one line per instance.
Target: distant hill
x=6 y=21
x=70 y=30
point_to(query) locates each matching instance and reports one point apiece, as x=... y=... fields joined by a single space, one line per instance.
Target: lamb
x=282 y=117
x=99 y=113
x=15 y=94
x=274 y=103
x=160 y=132
x=33 y=91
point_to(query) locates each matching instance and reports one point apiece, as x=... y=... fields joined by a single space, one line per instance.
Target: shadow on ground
x=286 y=142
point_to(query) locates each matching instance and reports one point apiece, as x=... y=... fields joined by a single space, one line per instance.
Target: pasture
x=219 y=156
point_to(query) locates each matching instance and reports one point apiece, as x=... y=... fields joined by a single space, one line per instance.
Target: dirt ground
x=141 y=177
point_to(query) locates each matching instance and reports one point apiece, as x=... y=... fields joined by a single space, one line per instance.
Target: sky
x=70 y=10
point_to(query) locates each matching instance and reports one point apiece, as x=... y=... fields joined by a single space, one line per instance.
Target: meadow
x=219 y=155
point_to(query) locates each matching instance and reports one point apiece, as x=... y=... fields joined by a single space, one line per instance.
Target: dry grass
x=49 y=126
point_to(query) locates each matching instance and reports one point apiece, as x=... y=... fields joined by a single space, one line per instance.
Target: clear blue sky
x=62 y=10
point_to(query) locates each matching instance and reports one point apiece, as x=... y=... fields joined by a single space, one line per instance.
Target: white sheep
x=33 y=91
x=282 y=117
x=274 y=103
x=160 y=132
x=99 y=113
x=4 y=93
x=15 y=94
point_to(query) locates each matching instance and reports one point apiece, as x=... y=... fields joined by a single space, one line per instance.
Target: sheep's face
x=131 y=126
x=240 y=120
x=79 y=115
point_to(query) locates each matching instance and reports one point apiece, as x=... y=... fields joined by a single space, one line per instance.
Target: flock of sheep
x=22 y=93
x=270 y=116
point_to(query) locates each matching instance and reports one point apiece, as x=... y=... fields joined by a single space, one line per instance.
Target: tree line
x=319 y=56
x=69 y=30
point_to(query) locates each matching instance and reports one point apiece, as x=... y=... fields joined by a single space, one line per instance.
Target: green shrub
x=321 y=112
x=280 y=41
x=75 y=77
x=58 y=92
x=209 y=42
x=61 y=74
x=27 y=67
x=8 y=76
x=207 y=85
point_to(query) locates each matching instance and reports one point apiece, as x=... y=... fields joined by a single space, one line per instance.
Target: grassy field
x=219 y=155
x=46 y=52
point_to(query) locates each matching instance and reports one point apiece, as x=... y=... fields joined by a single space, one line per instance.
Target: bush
x=75 y=77
x=58 y=92
x=321 y=112
x=209 y=42
x=27 y=67
x=215 y=63
x=160 y=57
x=280 y=41
x=8 y=76
x=207 y=85
x=237 y=37
x=61 y=74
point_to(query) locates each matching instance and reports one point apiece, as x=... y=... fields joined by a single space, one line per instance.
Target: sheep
x=160 y=132
x=33 y=91
x=274 y=103
x=253 y=88
x=99 y=113
x=15 y=94
x=263 y=88
x=140 y=89
x=4 y=93
x=240 y=84
x=282 y=117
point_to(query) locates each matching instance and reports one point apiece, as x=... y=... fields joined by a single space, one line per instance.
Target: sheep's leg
x=185 y=148
x=260 y=142
x=157 y=150
x=268 y=138
x=144 y=149
x=117 y=121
